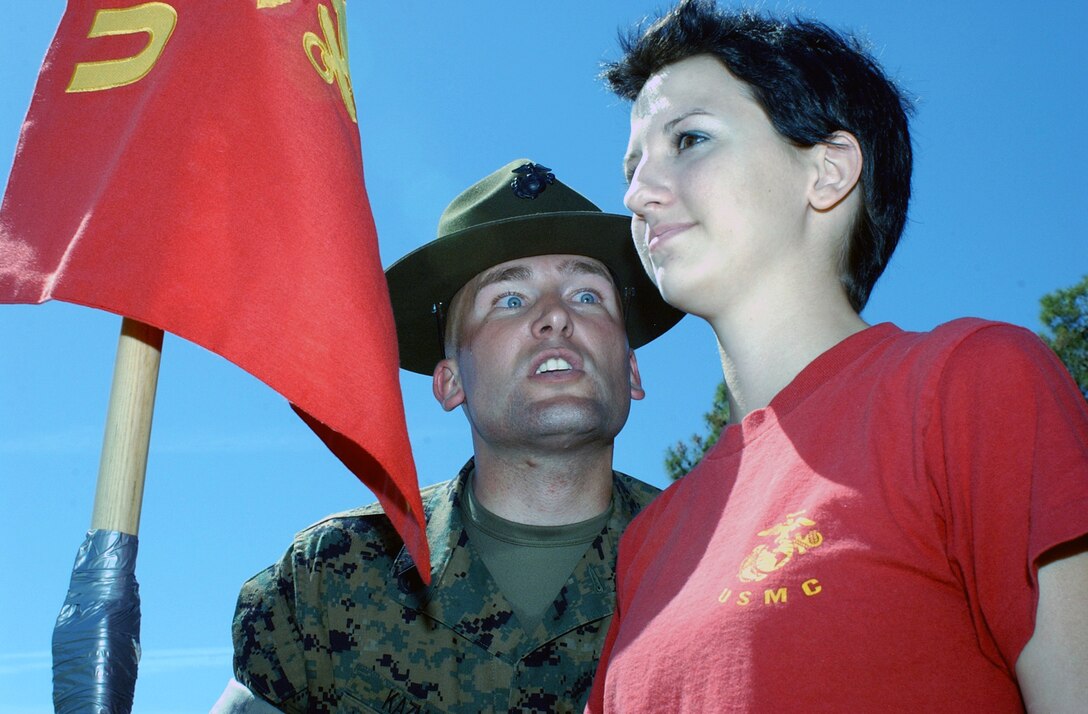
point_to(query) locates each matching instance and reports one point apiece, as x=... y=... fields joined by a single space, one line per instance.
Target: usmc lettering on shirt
x=786 y=542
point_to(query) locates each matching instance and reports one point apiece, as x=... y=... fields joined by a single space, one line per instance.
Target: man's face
x=540 y=356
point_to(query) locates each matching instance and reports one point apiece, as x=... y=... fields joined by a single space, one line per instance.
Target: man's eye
x=588 y=297
x=509 y=301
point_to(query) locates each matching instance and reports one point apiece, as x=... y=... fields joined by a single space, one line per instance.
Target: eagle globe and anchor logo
x=765 y=559
x=786 y=545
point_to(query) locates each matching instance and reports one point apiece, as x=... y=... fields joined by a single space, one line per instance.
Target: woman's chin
x=680 y=299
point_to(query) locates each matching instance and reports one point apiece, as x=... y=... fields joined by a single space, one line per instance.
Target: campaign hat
x=519 y=211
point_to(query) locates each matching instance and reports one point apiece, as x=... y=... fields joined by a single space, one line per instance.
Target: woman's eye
x=509 y=301
x=587 y=297
x=688 y=140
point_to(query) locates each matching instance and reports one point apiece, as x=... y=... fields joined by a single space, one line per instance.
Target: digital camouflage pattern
x=343 y=622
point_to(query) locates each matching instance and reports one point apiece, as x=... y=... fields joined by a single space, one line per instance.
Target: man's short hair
x=811 y=81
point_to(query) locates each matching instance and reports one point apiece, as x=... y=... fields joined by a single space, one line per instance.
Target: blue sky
x=448 y=92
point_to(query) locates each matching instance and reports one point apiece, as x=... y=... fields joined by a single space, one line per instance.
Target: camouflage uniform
x=343 y=623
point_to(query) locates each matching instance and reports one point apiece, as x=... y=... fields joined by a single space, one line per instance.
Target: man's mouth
x=554 y=364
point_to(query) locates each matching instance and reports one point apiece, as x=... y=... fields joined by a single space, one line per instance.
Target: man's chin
x=575 y=418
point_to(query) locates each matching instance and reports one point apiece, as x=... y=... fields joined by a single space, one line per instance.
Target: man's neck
x=544 y=489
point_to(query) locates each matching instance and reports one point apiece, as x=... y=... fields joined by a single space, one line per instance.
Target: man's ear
x=838 y=169
x=446 y=384
x=637 y=392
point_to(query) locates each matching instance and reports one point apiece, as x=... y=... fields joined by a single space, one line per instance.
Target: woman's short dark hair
x=811 y=81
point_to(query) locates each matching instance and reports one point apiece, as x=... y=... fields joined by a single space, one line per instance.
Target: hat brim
x=435 y=272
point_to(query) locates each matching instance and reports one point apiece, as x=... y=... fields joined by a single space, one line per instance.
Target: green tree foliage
x=1065 y=315
x=682 y=458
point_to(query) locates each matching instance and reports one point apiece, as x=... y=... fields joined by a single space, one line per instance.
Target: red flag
x=195 y=165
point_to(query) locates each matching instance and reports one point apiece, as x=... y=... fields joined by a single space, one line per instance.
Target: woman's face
x=718 y=198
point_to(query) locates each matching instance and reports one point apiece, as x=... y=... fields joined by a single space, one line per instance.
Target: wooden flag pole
x=119 y=495
x=96 y=641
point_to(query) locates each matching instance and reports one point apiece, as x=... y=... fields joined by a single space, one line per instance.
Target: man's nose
x=554 y=316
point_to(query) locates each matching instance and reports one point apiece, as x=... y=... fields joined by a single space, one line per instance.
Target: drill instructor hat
x=519 y=211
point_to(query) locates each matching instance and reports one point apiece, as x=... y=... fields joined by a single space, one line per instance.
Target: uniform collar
x=464 y=596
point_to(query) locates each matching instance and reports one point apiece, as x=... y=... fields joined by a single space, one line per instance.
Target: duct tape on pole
x=96 y=641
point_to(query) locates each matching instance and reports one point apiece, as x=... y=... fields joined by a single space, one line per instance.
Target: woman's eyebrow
x=696 y=111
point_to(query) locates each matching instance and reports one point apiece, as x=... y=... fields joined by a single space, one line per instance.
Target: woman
x=893 y=520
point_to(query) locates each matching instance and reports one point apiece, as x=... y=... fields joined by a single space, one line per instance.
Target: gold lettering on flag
x=333 y=52
x=157 y=19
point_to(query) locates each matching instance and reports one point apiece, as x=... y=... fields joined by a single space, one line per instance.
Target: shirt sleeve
x=268 y=651
x=1007 y=449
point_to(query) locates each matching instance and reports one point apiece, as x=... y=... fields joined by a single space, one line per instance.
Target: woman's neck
x=764 y=348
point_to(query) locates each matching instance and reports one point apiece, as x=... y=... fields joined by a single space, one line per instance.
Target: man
x=525 y=311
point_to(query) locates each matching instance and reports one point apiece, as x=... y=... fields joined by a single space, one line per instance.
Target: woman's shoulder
x=971 y=343
x=989 y=362
x=977 y=344
x=970 y=333
x=982 y=332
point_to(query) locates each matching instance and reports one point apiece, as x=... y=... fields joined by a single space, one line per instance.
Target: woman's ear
x=838 y=170
x=446 y=385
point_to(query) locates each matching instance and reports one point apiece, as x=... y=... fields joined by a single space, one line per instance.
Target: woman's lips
x=665 y=231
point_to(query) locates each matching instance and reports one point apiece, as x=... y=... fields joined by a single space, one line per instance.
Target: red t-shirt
x=864 y=543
